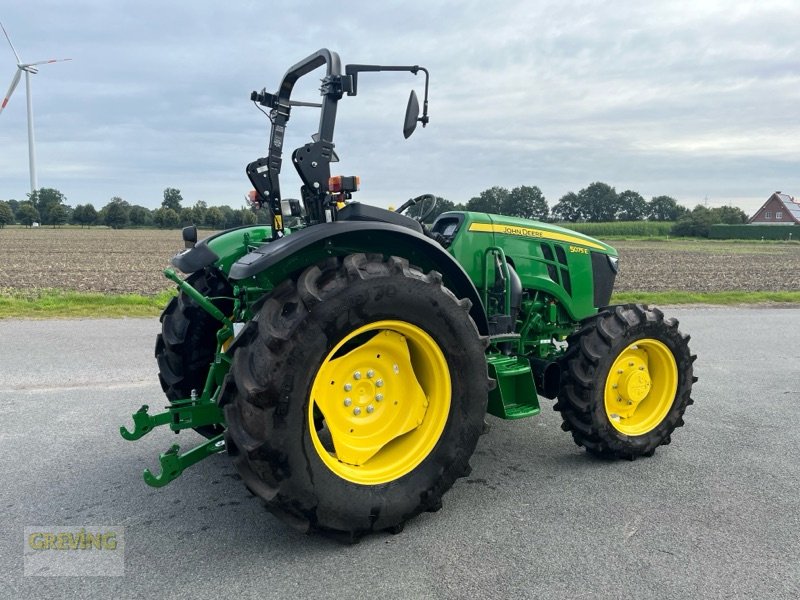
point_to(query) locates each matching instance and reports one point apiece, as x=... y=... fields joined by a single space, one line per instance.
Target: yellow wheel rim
x=384 y=393
x=641 y=387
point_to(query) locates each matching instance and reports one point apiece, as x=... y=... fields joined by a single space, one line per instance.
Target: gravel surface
x=714 y=515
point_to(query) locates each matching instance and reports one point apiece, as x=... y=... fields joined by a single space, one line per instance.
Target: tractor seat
x=355 y=211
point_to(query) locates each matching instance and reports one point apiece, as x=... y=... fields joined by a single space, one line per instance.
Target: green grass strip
x=716 y=298
x=52 y=303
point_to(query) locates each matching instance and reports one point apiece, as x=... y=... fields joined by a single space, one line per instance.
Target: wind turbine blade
x=14 y=50
x=45 y=62
x=10 y=91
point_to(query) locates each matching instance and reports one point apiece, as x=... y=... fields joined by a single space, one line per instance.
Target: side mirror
x=412 y=115
x=189 y=236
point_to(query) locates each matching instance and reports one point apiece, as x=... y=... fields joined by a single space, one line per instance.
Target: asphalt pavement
x=714 y=515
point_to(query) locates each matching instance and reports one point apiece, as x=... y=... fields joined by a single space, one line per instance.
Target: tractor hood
x=513 y=226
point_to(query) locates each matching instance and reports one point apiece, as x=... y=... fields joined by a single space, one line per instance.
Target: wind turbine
x=28 y=68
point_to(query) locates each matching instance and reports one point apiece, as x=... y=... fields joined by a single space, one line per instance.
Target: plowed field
x=707 y=266
x=102 y=260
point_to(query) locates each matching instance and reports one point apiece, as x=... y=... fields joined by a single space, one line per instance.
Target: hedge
x=754 y=232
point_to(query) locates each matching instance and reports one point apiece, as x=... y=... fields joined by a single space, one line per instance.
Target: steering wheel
x=428 y=201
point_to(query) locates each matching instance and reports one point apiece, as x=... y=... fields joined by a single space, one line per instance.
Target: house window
x=768 y=214
x=779 y=215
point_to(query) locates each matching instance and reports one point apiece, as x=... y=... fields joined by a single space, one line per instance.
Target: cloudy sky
x=698 y=100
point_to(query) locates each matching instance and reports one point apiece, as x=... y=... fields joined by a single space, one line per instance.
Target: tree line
x=597 y=202
x=48 y=206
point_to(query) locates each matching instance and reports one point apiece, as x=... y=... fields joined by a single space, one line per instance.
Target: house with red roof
x=779 y=209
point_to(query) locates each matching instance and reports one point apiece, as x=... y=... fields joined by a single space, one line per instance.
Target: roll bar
x=312 y=161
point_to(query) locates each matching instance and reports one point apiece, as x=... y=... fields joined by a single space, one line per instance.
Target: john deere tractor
x=345 y=356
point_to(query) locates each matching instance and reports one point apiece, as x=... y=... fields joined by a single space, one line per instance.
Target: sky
x=698 y=100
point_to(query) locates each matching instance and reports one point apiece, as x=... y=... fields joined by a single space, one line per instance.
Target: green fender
x=222 y=249
x=274 y=261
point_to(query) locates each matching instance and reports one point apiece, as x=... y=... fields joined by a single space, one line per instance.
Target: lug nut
x=370 y=374
x=347 y=387
x=620 y=372
x=356 y=411
x=370 y=408
x=613 y=387
x=630 y=364
x=379 y=383
x=378 y=397
x=347 y=401
x=357 y=375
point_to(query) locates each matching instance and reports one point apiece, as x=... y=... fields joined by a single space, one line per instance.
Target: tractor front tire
x=188 y=340
x=627 y=379
x=356 y=396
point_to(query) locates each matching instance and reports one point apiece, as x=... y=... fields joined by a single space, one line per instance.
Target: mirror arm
x=424 y=118
x=353 y=70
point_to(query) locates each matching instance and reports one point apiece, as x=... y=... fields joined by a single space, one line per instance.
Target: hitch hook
x=143 y=423
x=173 y=464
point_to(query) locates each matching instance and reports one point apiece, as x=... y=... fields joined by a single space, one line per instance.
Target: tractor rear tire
x=627 y=379
x=188 y=340
x=356 y=396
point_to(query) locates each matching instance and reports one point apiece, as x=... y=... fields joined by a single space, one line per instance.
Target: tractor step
x=515 y=396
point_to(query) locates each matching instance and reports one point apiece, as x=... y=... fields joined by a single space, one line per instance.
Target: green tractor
x=345 y=356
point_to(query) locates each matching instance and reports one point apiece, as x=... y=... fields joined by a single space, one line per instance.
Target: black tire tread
x=252 y=395
x=590 y=352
